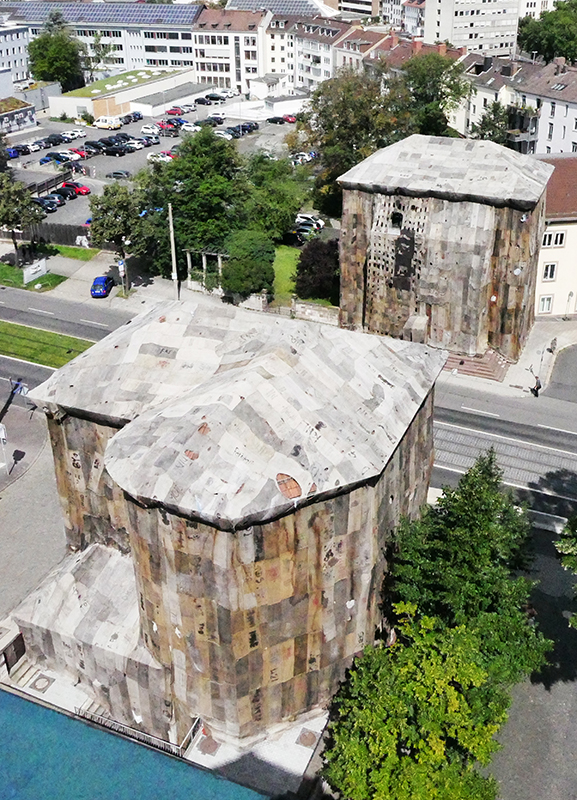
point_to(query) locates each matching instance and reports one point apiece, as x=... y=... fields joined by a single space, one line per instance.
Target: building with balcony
x=475 y=24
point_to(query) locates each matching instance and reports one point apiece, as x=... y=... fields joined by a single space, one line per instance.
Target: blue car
x=12 y=152
x=101 y=286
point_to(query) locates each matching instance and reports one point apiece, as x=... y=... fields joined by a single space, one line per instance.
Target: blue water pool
x=48 y=756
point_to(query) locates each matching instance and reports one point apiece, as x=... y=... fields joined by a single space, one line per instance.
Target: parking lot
x=269 y=138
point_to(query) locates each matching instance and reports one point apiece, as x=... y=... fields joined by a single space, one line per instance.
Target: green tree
x=349 y=117
x=275 y=194
x=116 y=219
x=407 y=724
x=318 y=271
x=17 y=211
x=249 y=266
x=567 y=548
x=553 y=34
x=55 y=55
x=493 y=125
x=97 y=56
x=437 y=86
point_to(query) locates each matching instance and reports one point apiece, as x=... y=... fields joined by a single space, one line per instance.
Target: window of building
x=545 y=303
x=552 y=111
x=574 y=147
x=554 y=239
x=550 y=133
x=549 y=271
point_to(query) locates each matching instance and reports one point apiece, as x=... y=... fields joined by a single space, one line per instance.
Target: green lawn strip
x=12 y=276
x=285 y=265
x=39 y=346
x=80 y=253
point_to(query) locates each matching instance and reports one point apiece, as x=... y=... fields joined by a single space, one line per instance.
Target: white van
x=108 y=123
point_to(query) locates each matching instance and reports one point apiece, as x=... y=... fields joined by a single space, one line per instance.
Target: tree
x=349 y=117
x=567 y=548
x=249 y=266
x=493 y=125
x=553 y=34
x=55 y=55
x=407 y=725
x=275 y=195
x=116 y=219
x=99 y=57
x=318 y=272
x=437 y=85
x=17 y=211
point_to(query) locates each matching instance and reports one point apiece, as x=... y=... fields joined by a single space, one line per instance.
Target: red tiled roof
x=561 y=202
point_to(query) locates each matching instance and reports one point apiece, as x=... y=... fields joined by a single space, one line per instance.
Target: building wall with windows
x=534 y=8
x=489 y=27
x=392 y=13
x=14 y=40
x=280 y=48
x=314 y=43
x=556 y=291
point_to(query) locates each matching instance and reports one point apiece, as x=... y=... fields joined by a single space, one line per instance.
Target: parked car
x=293 y=239
x=34 y=147
x=234 y=132
x=132 y=146
x=218 y=118
x=202 y=101
x=55 y=198
x=207 y=123
x=180 y=121
x=136 y=116
x=54 y=139
x=23 y=149
x=45 y=204
x=79 y=188
x=175 y=111
x=187 y=108
x=96 y=146
x=58 y=157
x=191 y=127
x=159 y=157
x=214 y=97
x=250 y=126
x=144 y=140
x=170 y=132
x=152 y=129
x=114 y=150
x=289 y=117
x=310 y=218
x=276 y=120
x=126 y=119
x=80 y=133
x=121 y=137
x=164 y=124
x=118 y=175
x=43 y=144
x=68 y=136
x=303 y=157
x=168 y=153
x=152 y=138
x=64 y=192
x=223 y=135
x=101 y=286
x=70 y=155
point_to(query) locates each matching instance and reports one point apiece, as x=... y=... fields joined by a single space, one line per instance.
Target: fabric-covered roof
x=459 y=170
x=237 y=417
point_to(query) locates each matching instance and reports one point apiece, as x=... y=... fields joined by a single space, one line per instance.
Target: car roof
x=100 y=280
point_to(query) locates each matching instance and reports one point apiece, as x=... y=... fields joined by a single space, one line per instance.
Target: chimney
x=487 y=63
x=394 y=40
x=506 y=70
x=559 y=65
x=442 y=48
x=417 y=45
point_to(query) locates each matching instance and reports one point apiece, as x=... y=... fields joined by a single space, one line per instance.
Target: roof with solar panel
x=106 y=13
x=296 y=8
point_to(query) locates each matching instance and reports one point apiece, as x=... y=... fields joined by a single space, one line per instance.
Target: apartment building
x=413 y=18
x=483 y=25
x=534 y=8
x=353 y=48
x=556 y=291
x=392 y=13
x=314 y=46
x=280 y=50
x=14 y=50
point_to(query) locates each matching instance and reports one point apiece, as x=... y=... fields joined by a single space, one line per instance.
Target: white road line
x=478 y=411
x=41 y=311
x=2 y=303
x=560 y=430
x=512 y=485
x=508 y=438
x=91 y=322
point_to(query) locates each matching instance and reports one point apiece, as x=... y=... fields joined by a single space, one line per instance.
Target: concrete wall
x=455 y=275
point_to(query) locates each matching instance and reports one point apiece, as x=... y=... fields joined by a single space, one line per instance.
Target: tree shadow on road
x=553 y=599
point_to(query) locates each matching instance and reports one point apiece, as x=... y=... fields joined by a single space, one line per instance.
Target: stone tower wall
x=406 y=258
x=258 y=625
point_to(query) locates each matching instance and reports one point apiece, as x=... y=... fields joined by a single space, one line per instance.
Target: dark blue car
x=12 y=152
x=101 y=286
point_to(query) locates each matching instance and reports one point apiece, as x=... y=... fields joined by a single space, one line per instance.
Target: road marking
x=41 y=311
x=91 y=322
x=2 y=303
x=560 y=430
x=478 y=411
x=508 y=438
x=512 y=485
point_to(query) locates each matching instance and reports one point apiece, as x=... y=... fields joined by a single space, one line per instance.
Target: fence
x=52 y=233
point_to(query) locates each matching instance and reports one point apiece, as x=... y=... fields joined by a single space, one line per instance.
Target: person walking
x=536 y=389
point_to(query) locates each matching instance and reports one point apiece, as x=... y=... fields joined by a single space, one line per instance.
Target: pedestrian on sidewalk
x=535 y=389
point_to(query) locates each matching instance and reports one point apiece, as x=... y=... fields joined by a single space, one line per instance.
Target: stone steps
x=24 y=673
x=93 y=707
x=491 y=365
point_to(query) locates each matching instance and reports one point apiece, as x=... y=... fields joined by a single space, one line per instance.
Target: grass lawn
x=285 y=265
x=12 y=276
x=38 y=346
x=81 y=253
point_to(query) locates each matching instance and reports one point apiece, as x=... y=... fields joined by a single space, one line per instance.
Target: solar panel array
x=300 y=8
x=106 y=13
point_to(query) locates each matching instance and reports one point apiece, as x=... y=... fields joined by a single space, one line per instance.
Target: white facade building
x=392 y=13
x=14 y=41
x=490 y=27
x=534 y=8
x=413 y=19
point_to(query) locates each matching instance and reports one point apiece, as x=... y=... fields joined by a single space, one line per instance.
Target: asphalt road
x=563 y=383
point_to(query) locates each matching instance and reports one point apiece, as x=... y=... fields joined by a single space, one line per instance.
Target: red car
x=82 y=153
x=168 y=153
x=79 y=188
x=289 y=118
x=164 y=125
x=176 y=111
